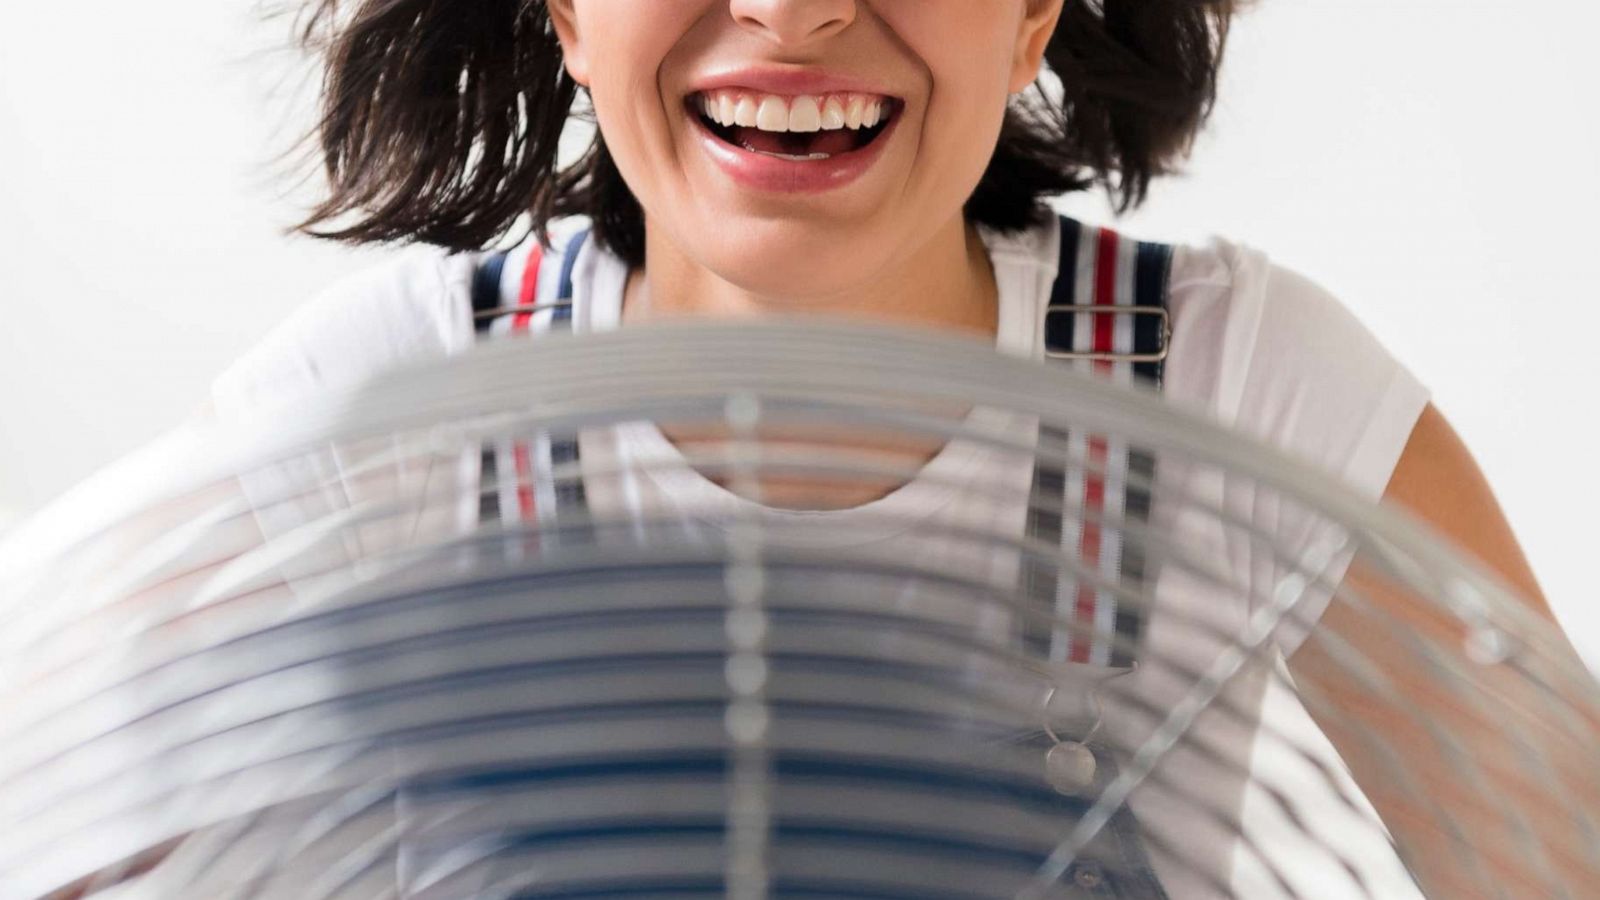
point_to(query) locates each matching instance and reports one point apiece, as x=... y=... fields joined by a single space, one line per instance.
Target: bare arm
x=1519 y=824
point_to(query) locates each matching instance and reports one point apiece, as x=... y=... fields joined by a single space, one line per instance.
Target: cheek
x=967 y=49
x=627 y=43
x=624 y=36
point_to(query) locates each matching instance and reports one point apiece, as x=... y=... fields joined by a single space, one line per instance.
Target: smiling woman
x=881 y=159
x=1132 y=84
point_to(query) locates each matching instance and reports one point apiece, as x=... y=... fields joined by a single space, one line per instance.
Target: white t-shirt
x=1255 y=347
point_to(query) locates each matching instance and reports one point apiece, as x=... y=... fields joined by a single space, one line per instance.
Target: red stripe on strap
x=1094 y=502
x=1105 y=294
x=1094 y=488
x=526 y=504
x=527 y=295
x=528 y=291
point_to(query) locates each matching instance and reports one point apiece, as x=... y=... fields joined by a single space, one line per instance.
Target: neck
x=946 y=284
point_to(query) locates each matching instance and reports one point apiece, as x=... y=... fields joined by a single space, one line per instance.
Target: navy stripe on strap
x=1042 y=576
x=486 y=288
x=485 y=297
x=1059 y=330
x=1150 y=289
x=571 y=494
x=1153 y=266
x=568 y=263
x=489 y=486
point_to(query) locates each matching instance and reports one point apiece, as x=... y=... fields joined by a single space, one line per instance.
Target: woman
x=877 y=159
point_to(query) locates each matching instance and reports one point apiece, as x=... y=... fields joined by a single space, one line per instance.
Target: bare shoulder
x=1438 y=480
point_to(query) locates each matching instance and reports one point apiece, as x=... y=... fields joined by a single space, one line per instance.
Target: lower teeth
x=790 y=157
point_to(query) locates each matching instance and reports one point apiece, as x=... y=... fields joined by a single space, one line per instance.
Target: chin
x=797 y=261
x=799 y=266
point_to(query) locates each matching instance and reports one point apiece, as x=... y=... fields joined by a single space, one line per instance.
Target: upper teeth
x=804 y=113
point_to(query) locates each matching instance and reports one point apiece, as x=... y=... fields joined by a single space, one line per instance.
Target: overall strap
x=507 y=301
x=506 y=289
x=1108 y=315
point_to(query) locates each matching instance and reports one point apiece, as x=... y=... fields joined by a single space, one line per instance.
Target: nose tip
x=794 y=21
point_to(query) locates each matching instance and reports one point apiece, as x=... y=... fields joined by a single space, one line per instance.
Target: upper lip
x=788 y=82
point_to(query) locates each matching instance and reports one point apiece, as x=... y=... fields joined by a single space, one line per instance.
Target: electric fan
x=788 y=610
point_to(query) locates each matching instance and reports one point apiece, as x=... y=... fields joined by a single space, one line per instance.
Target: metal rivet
x=1070 y=768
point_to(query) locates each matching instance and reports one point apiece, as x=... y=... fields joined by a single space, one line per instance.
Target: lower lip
x=759 y=172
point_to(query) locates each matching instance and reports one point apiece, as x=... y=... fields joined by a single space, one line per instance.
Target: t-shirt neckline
x=641 y=446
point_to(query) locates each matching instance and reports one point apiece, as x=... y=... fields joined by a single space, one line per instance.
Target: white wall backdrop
x=1436 y=164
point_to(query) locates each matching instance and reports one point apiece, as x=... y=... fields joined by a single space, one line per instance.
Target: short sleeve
x=406 y=311
x=409 y=309
x=1280 y=359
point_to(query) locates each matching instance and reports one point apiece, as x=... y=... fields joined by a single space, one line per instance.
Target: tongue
x=832 y=142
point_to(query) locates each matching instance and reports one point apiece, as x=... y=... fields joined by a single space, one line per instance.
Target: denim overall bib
x=1108 y=315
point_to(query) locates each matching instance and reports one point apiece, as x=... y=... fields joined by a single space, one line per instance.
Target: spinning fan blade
x=781 y=610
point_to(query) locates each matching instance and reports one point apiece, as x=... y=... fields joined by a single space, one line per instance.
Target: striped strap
x=1107 y=316
x=507 y=301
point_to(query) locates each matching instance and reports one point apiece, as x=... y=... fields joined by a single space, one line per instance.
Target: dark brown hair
x=441 y=119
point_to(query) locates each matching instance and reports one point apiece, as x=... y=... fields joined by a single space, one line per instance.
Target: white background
x=1435 y=164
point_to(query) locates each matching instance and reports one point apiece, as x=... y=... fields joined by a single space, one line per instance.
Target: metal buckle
x=529 y=308
x=1112 y=356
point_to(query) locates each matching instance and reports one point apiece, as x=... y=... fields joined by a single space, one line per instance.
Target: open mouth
x=805 y=128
